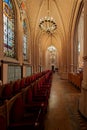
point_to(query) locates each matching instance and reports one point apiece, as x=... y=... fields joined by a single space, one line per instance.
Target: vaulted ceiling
x=63 y=11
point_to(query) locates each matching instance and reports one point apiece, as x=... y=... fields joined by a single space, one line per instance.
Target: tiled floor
x=63 y=107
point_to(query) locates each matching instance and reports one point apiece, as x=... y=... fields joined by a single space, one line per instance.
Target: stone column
x=64 y=72
x=83 y=98
x=4 y=73
x=75 y=49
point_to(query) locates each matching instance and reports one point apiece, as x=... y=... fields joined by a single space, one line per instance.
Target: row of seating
x=24 y=102
x=76 y=79
x=10 y=89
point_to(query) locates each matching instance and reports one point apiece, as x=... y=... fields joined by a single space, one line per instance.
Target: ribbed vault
x=63 y=11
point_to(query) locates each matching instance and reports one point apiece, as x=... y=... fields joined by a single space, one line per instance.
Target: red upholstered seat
x=35 y=103
x=18 y=120
x=7 y=91
x=39 y=95
x=17 y=111
x=27 y=81
x=2 y=123
x=29 y=98
x=22 y=83
x=16 y=87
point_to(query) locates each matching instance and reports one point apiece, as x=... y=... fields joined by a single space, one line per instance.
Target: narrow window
x=8 y=28
x=24 y=40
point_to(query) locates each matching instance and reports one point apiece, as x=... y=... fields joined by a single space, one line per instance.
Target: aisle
x=63 y=106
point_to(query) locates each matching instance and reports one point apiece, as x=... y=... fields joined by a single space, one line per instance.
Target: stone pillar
x=24 y=71
x=5 y=73
x=64 y=71
x=75 y=49
x=83 y=98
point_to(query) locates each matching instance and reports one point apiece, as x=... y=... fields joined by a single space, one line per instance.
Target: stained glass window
x=24 y=40
x=8 y=28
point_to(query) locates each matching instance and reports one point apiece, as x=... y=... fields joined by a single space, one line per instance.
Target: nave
x=44 y=35
x=63 y=107
x=48 y=102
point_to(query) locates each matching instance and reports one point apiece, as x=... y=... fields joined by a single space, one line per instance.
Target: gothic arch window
x=8 y=28
x=24 y=40
x=80 y=39
x=79 y=47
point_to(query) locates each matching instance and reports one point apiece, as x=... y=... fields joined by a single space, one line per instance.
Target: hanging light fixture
x=52 y=52
x=51 y=48
x=47 y=23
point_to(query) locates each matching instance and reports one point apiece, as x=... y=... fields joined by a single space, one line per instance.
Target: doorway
x=53 y=69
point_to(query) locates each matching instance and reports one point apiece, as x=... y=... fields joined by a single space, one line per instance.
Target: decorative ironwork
x=48 y=23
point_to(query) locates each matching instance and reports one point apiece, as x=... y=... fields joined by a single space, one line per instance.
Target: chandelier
x=48 y=23
x=51 y=48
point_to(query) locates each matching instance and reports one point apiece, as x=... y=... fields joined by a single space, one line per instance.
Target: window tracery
x=8 y=29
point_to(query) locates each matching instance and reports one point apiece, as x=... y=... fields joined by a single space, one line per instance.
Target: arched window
x=24 y=40
x=79 y=47
x=8 y=28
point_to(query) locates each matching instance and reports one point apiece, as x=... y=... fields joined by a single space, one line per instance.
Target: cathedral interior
x=43 y=64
